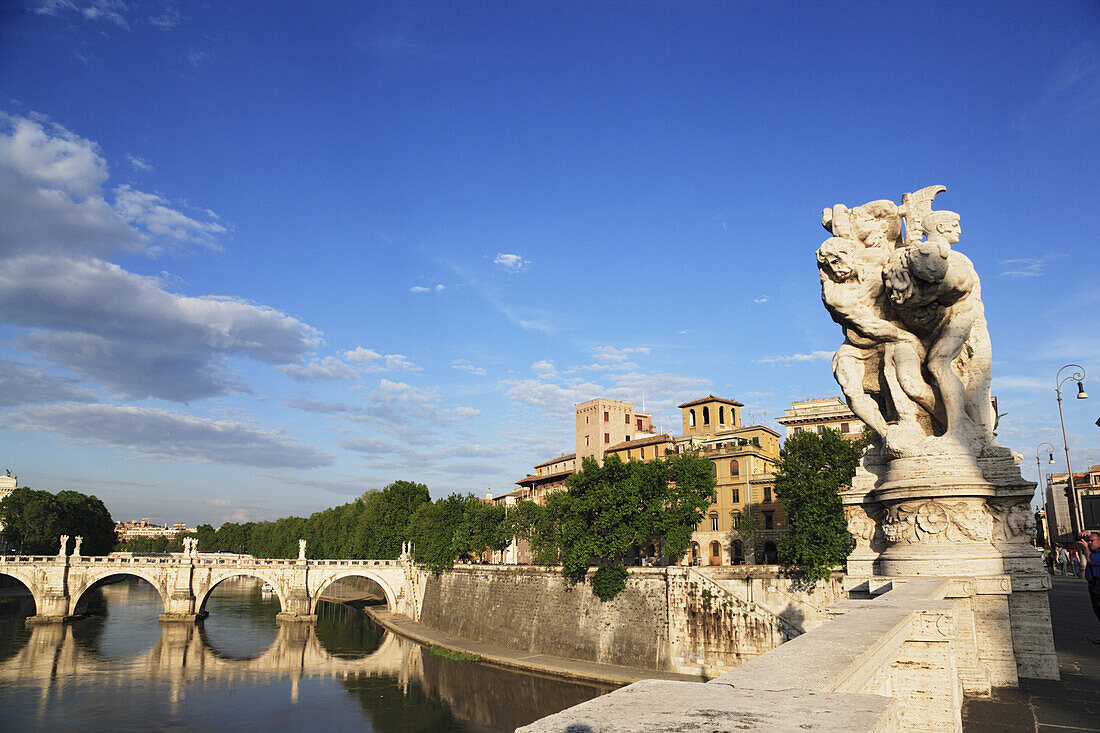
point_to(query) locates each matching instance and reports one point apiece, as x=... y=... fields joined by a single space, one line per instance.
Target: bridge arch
x=215 y=581
x=377 y=578
x=27 y=580
x=79 y=595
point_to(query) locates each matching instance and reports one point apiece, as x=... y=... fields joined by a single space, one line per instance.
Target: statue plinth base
x=957 y=516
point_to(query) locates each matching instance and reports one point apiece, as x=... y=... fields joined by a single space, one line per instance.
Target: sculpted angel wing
x=914 y=207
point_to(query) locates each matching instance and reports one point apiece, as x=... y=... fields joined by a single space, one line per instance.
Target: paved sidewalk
x=1052 y=706
x=530 y=661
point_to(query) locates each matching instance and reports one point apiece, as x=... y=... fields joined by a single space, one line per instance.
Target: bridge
x=61 y=585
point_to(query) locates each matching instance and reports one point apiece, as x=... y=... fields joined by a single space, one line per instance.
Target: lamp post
x=1077 y=376
x=1050 y=454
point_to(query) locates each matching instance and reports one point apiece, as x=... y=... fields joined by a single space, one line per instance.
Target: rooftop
x=710 y=398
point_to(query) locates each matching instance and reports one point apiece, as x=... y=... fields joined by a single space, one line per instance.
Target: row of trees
x=607 y=513
x=34 y=520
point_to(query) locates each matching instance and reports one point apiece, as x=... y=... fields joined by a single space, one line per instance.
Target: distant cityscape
x=145 y=528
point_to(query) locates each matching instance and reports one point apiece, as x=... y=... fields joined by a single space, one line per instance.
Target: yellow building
x=743 y=458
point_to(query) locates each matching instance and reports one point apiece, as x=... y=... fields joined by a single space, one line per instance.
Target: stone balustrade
x=893 y=662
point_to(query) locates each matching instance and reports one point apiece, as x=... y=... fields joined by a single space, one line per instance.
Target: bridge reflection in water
x=344 y=667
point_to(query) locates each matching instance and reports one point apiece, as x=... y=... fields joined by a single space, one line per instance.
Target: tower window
x=721 y=415
x=735 y=468
x=706 y=416
x=607 y=437
x=691 y=418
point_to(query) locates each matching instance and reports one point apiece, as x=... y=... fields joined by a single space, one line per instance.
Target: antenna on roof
x=643 y=401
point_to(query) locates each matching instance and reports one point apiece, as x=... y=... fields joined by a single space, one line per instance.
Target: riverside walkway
x=1068 y=705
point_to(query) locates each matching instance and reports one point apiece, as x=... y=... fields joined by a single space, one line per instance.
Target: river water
x=240 y=670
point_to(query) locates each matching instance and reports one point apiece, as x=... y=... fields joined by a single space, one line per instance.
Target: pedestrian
x=1048 y=559
x=1063 y=559
x=1072 y=552
x=1090 y=548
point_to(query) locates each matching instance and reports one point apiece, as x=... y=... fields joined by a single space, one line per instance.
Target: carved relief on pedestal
x=935 y=521
x=1013 y=519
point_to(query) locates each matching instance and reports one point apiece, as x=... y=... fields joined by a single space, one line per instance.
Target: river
x=120 y=669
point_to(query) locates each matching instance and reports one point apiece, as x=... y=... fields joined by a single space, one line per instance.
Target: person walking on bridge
x=1090 y=548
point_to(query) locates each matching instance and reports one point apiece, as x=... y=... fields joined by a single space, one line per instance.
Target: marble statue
x=76 y=548
x=916 y=355
x=64 y=545
x=301 y=549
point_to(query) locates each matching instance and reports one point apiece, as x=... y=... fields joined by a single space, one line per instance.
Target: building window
x=721 y=415
x=586 y=419
x=735 y=468
x=627 y=418
x=706 y=416
x=769 y=520
x=586 y=439
x=641 y=453
x=628 y=437
x=606 y=438
x=713 y=522
x=797 y=431
x=639 y=423
x=606 y=416
x=767 y=493
x=714 y=468
x=844 y=427
x=691 y=418
x=735 y=494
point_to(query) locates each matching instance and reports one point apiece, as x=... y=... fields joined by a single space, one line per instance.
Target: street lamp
x=1049 y=450
x=1078 y=377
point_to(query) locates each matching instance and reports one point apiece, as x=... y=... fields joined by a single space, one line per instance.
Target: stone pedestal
x=927 y=517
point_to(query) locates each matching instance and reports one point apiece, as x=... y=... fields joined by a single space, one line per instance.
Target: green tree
x=34 y=520
x=607 y=510
x=745 y=525
x=455 y=527
x=813 y=468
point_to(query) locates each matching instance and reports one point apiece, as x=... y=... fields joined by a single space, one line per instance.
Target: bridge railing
x=199 y=560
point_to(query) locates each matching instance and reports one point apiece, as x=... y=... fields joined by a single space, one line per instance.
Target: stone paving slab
x=1068 y=705
x=577 y=669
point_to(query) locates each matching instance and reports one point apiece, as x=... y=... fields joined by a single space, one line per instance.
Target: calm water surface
x=120 y=669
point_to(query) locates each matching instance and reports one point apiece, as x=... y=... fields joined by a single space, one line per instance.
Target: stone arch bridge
x=61 y=584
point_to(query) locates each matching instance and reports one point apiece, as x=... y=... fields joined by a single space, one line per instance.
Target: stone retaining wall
x=668 y=619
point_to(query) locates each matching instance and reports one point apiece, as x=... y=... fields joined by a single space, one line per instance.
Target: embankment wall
x=669 y=619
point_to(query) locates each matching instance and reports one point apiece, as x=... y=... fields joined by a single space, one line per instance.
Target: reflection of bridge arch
x=182 y=652
x=377 y=579
x=217 y=578
x=81 y=592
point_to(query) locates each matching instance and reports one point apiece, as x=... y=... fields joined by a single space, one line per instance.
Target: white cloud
x=168 y=436
x=419 y=289
x=139 y=163
x=318 y=370
x=465 y=365
x=513 y=263
x=793 y=358
x=51 y=193
x=22 y=384
x=126 y=331
x=1022 y=384
x=107 y=10
x=361 y=356
x=761 y=299
x=153 y=215
x=1027 y=266
x=544 y=368
x=389 y=391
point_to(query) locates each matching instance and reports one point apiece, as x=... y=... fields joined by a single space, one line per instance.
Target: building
x=742 y=457
x=145 y=528
x=1087 y=495
x=602 y=423
x=817 y=414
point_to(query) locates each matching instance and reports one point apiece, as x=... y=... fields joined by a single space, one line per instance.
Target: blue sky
x=259 y=258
